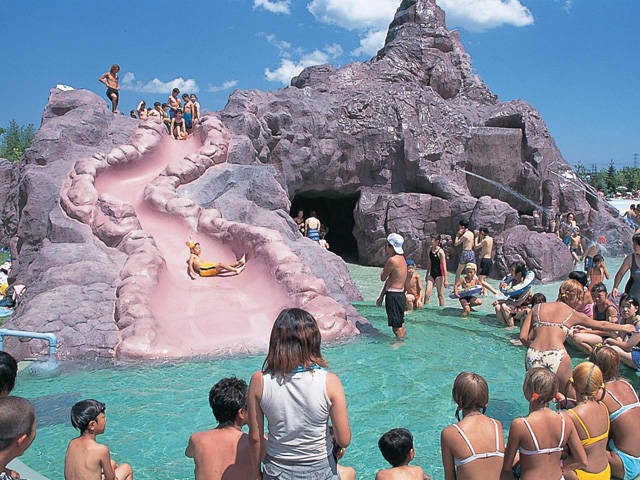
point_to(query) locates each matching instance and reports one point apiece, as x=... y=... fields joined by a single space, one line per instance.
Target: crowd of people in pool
x=592 y=434
x=178 y=114
x=584 y=317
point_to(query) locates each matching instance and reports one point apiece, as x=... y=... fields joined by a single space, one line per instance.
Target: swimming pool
x=152 y=409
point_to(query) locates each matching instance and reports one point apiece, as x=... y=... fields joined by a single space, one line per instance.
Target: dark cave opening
x=335 y=211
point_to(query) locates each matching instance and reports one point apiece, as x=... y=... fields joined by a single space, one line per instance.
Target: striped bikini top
x=477 y=456
x=538 y=450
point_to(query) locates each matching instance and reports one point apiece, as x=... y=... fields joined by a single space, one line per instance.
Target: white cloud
x=371 y=18
x=481 y=15
x=225 y=86
x=279 y=44
x=354 y=14
x=289 y=69
x=129 y=82
x=370 y=43
x=273 y=6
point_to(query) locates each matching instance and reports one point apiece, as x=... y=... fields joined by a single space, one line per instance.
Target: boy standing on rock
x=394 y=275
x=110 y=79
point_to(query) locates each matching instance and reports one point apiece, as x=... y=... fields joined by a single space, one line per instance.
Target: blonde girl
x=590 y=418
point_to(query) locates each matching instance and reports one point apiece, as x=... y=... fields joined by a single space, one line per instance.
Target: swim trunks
x=548 y=359
x=394 y=303
x=631 y=464
x=208 y=269
x=485 y=267
x=635 y=356
x=313 y=234
x=188 y=119
x=111 y=91
x=467 y=256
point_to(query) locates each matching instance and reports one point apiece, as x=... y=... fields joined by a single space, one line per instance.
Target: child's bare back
x=220 y=452
x=405 y=472
x=85 y=459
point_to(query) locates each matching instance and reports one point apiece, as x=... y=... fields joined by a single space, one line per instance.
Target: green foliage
x=610 y=180
x=15 y=140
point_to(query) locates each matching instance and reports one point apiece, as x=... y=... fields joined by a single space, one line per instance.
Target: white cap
x=396 y=242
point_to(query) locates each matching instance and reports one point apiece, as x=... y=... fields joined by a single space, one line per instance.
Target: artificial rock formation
x=409 y=142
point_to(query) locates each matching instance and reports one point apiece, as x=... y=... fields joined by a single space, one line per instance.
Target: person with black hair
x=8 y=372
x=224 y=450
x=396 y=447
x=17 y=431
x=87 y=459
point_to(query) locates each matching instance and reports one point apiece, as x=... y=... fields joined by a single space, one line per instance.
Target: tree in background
x=610 y=180
x=15 y=140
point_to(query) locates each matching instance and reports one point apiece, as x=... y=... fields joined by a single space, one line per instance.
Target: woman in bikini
x=472 y=448
x=541 y=436
x=436 y=271
x=621 y=400
x=196 y=267
x=547 y=326
x=590 y=418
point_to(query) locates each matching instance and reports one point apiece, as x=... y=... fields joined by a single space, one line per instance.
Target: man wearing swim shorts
x=484 y=242
x=110 y=79
x=394 y=275
x=465 y=238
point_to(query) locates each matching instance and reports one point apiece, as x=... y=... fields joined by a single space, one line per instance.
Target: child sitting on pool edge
x=17 y=431
x=396 y=447
x=467 y=283
x=223 y=450
x=87 y=459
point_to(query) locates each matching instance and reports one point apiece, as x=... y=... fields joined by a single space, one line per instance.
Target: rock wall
x=413 y=134
x=420 y=139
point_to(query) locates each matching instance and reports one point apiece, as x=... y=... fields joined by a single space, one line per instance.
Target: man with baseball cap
x=394 y=275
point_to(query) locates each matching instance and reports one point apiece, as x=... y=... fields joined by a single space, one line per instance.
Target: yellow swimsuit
x=208 y=269
x=582 y=474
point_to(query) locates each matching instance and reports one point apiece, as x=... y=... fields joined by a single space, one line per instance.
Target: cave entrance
x=335 y=211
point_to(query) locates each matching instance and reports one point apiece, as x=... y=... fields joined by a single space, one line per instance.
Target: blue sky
x=575 y=61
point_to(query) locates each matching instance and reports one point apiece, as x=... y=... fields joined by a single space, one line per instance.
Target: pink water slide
x=129 y=197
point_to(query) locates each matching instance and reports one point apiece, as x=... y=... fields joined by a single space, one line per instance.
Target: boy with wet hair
x=396 y=447
x=87 y=459
x=223 y=450
x=8 y=372
x=17 y=431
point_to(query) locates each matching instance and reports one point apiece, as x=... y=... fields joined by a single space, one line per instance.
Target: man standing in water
x=110 y=79
x=484 y=243
x=465 y=238
x=394 y=274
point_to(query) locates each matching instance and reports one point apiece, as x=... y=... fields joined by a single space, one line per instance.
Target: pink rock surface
x=160 y=311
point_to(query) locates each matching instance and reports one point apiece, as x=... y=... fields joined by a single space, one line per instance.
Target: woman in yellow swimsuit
x=591 y=419
x=196 y=267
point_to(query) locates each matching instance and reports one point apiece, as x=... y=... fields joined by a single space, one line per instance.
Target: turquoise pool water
x=152 y=409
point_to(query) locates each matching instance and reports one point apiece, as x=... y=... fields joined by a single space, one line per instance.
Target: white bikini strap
x=533 y=437
x=561 y=433
x=495 y=425
x=464 y=437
